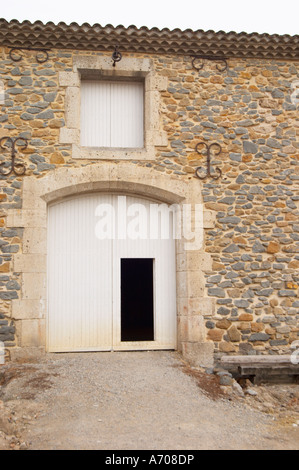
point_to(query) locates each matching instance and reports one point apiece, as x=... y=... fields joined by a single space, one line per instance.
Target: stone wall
x=254 y=243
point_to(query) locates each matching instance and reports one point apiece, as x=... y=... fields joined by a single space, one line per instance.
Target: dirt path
x=130 y=400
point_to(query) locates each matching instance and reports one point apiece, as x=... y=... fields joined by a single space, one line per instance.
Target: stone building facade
x=238 y=293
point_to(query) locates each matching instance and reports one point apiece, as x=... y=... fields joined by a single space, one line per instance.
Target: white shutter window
x=112 y=114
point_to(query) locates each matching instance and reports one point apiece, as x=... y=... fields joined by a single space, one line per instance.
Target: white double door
x=88 y=237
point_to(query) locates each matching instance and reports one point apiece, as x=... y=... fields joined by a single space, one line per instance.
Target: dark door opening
x=137 y=299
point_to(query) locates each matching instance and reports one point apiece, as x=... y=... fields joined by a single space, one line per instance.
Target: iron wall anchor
x=220 y=68
x=16 y=56
x=209 y=174
x=16 y=168
x=116 y=56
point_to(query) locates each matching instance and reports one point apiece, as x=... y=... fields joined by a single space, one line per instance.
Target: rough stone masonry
x=254 y=245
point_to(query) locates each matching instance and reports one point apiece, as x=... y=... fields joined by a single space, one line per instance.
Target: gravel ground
x=129 y=401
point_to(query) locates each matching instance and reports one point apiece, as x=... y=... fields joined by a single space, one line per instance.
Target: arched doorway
x=111 y=274
x=31 y=310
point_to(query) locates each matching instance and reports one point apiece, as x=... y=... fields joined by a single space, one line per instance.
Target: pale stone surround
x=30 y=310
x=102 y=68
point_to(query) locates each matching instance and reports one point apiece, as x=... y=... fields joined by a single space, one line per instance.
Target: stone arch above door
x=30 y=310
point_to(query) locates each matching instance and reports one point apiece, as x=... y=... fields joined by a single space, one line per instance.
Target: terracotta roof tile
x=133 y=39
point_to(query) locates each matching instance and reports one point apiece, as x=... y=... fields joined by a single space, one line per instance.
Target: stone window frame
x=102 y=68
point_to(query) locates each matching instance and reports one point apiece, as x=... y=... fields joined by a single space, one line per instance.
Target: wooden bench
x=258 y=369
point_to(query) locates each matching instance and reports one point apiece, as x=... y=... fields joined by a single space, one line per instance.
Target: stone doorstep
x=17 y=354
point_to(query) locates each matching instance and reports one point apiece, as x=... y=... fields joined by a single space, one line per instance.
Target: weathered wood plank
x=263 y=360
x=276 y=370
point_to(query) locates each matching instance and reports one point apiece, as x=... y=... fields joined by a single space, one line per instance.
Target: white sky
x=261 y=16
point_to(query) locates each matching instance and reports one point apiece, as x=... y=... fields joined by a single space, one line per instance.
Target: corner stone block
x=30 y=263
x=182 y=330
x=31 y=333
x=209 y=219
x=205 y=306
x=69 y=136
x=27 y=309
x=190 y=284
x=156 y=138
x=152 y=106
x=191 y=329
x=159 y=83
x=72 y=107
x=34 y=286
x=26 y=218
x=196 y=284
x=196 y=329
x=194 y=261
x=31 y=201
x=26 y=354
x=69 y=79
x=199 y=354
x=35 y=241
